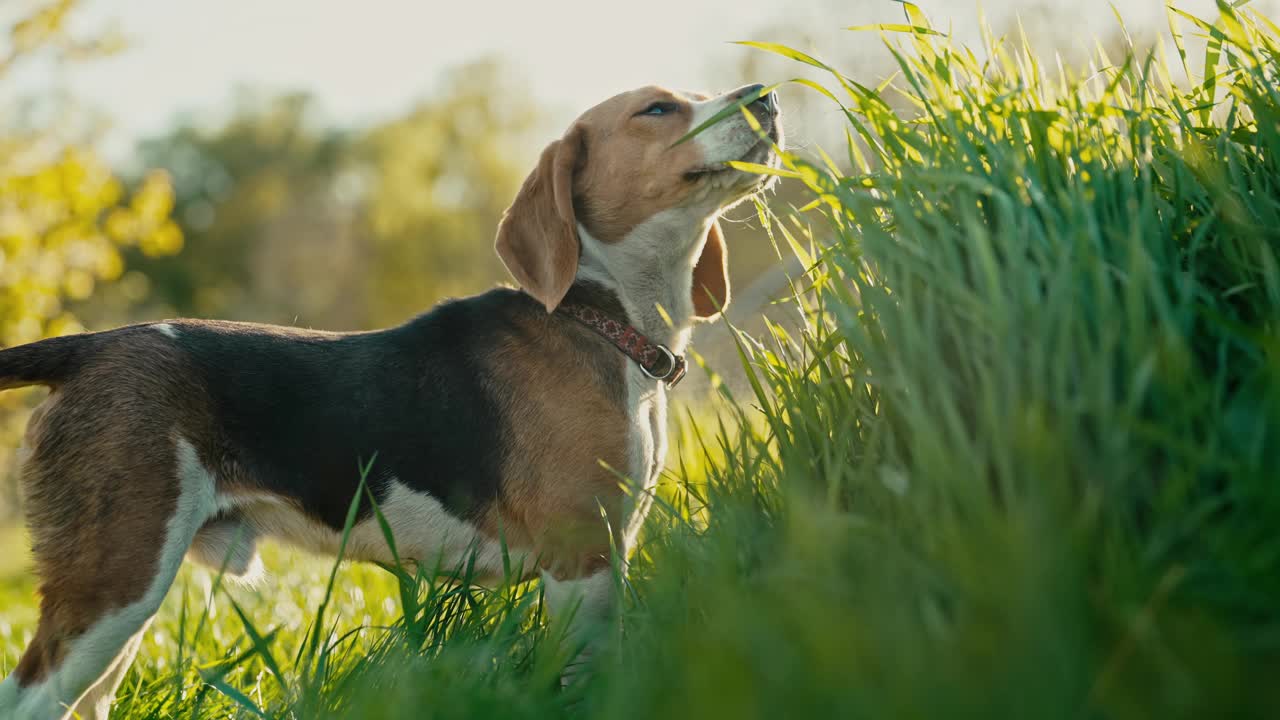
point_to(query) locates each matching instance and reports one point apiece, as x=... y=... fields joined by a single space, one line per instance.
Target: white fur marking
x=95 y=704
x=589 y=598
x=9 y=694
x=588 y=603
x=166 y=329
x=423 y=530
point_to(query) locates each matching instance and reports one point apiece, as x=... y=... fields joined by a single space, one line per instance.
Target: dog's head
x=620 y=165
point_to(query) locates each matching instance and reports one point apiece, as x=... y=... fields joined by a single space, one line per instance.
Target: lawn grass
x=1022 y=459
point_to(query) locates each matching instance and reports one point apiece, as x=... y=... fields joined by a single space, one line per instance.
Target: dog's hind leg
x=76 y=664
x=96 y=701
x=109 y=536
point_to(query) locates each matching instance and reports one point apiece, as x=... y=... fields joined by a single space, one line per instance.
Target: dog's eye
x=659 y=108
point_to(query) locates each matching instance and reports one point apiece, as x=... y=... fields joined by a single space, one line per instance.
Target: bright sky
x=370 y=59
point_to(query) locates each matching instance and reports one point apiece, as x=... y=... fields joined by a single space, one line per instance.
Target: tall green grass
x=1024 y=456
x=1019 y=456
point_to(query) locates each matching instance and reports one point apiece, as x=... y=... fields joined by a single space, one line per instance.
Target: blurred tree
x=257 y=202
x=438 y=181
x=64 y=217
x=287 y=221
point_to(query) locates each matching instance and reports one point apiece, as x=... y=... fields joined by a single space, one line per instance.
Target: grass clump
x=1022 y=458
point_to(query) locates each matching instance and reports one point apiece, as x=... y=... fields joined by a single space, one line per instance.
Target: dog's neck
x=651 y=268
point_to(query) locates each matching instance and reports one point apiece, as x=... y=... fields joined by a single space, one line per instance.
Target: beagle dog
x=500 y=418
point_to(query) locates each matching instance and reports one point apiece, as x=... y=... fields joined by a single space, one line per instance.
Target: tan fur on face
x=633 y=172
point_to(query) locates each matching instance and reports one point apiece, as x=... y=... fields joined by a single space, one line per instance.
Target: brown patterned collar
x=655 y=359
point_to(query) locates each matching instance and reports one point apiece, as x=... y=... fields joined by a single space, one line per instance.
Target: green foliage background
x=291 y=221
x=66 y=220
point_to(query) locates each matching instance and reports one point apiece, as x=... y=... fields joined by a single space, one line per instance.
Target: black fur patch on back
x=298 y=411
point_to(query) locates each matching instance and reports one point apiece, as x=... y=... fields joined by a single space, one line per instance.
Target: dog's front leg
x=589 y=605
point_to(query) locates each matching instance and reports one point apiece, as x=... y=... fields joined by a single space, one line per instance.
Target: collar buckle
x=675 y=367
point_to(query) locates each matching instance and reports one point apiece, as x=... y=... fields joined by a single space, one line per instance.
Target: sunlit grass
x=1019 y=459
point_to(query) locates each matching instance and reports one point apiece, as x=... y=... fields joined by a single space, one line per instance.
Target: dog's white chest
x=647 y=410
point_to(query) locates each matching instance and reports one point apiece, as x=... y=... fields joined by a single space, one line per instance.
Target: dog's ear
x=538 y=235
x=711 y=275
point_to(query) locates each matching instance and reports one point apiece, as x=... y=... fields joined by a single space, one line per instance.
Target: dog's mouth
x=761 y=153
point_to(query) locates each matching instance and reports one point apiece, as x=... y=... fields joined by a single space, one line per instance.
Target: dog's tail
x=48 y=362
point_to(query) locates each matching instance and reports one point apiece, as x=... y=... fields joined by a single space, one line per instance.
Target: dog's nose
x=769 y=101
